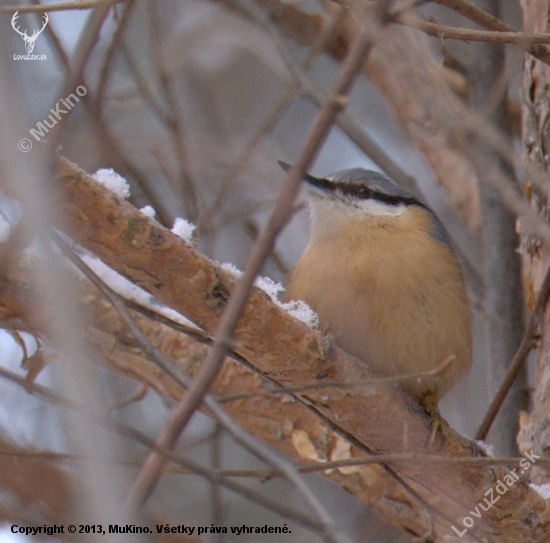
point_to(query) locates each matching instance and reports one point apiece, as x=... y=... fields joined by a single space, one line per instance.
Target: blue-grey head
x=367 y=193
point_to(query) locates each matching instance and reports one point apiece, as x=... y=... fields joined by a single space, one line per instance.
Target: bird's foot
x=438 y=425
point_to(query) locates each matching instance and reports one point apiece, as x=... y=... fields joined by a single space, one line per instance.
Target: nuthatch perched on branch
x=380 y=272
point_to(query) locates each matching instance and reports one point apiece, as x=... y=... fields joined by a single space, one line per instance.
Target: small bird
x=382 y=275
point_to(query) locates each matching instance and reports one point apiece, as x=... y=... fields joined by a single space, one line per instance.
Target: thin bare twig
x=527 y=343
x=132 y=433
x=481 y=17
x=244 y=156
x=521 y=39
x=283 y=209
x=252 y=229
x=437 y=373
x=62 y=6
x=105 y=138
x=215 y=491
x=86 y=42
x=139 y=182
x=311 y=467
x=55 y=43
x=344 y=121
x=348 y=125
x=508 y=193
x=144 y=89
x=116 y=43
x=475 y=14
x=75 y=73
x=276 y=111
x=191 y=200
x=281 y=465
x=367 y=145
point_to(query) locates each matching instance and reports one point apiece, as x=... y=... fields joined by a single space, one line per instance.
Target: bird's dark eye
x=363 y=192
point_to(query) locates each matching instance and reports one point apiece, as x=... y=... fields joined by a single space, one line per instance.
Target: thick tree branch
x=376 y=420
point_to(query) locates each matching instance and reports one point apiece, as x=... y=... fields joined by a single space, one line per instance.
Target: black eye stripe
x=360 y=191
x=363 y=192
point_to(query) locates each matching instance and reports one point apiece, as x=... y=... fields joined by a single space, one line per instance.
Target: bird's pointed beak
x=317 y=182
x=284 y=165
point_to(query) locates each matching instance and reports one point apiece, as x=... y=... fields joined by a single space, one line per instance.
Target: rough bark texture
x=375 y=419
x=535 y=427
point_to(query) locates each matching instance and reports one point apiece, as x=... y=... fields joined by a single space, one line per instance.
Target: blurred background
x=193 y=103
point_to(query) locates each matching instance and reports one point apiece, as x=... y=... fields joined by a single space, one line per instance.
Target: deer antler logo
x=29 y=40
